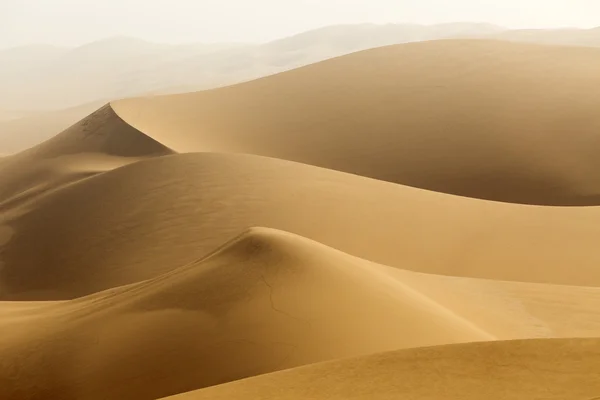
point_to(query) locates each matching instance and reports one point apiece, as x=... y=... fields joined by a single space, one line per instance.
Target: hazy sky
x=71 y=22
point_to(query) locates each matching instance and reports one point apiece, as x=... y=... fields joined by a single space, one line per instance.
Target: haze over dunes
x=48 y=88
x=412 y=221
x=484 y=119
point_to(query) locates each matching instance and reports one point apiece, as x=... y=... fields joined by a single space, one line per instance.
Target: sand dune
x=131 y=266
x=522 y=370
x=43 y=77
x=512 y=310
x=23 y=132
x=478 y=118
x=98 y=143
x=265 y=301
x=54 y=85
x=143 y=219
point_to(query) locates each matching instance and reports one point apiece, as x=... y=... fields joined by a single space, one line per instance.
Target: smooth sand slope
x=489 y=119
x=522 y=370
x=129 y=270
x=265 y=301
x=148 y=217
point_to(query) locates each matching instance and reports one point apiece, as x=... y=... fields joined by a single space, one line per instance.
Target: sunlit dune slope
x=266 y=301
x=489 y=119
x=145 y=218
x=512 y=310
x=522 y=370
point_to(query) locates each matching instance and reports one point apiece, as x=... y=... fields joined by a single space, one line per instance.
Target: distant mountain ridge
x=47 y=77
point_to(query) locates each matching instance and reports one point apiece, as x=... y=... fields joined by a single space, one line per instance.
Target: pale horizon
x=69 y=23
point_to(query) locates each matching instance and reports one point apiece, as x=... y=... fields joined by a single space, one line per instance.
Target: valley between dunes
x=417 y=221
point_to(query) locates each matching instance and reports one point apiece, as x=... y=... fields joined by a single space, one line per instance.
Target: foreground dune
x=265 y=301
x=522 y=370
x=143 y=219
x=479 y=118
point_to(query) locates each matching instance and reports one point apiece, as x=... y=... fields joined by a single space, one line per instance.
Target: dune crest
x=563 y=369
x=98 y=143
x=168 y=211
x=375 y=226
x=101 y=132
x=480 y=118
x=265 y=301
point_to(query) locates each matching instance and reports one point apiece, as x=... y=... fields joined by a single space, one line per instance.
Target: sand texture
x=417 y=221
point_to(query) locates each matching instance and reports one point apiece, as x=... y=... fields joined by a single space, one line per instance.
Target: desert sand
x=415 y=221
x=482 y=119
x=492 y=370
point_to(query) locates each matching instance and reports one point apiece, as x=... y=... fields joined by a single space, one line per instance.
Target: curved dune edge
x=564 y=369
x=104 y=132
x=98 y=143
x=479 y=118
x=265 y=301
x=159 y=213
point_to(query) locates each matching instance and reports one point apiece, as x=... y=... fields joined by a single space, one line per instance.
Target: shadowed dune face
x=264 y=302
x=144 y=219
x=119 y=277
x=267 y=301
x=101 y=132
x=478 y=118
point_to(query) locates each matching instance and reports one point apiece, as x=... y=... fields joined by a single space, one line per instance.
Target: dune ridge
x=550 y=369
x=101 y=132
x=265 y=301
x=480 y=118
x=173 y=209
x=98 y=143
x=356 y=223
x=271 y=299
